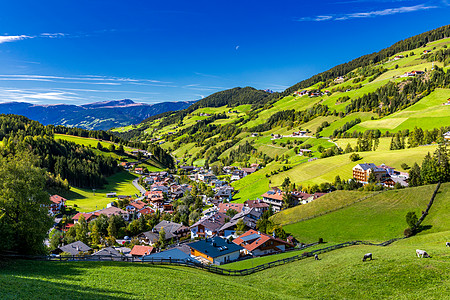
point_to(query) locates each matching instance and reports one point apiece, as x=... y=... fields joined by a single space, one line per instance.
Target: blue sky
x=80 y=51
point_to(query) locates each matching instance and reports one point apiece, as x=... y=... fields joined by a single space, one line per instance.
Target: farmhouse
x=215 y=250
x=257 y=243
x=361 y=172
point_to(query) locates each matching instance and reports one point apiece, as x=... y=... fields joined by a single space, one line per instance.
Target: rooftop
x=215 y=246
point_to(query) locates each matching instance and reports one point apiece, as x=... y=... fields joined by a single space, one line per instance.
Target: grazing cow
x=422 y=253
x=447 y=244
x=367 y=256
x=316 y=257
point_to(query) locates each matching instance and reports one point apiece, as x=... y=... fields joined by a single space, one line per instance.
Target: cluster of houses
x=311 y=94
x=274 y=197
x=412 y=73
x=387 y=176
x=216 y=240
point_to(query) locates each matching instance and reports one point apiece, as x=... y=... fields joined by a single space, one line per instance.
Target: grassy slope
x=325 y=170
x=378 y=218
x=395 y=273
x=86 y=141
x=328 y=202
x=121 y=183
x=428 y=113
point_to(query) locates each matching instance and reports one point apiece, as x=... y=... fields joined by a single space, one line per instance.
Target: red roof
x=260 y=239
x=139 y=250
x=256 y=204
x=146 y=211
x=57 y=199
x=223 y=207
x=87 y=216
x=276 y=195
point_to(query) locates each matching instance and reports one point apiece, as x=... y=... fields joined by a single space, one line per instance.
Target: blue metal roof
x=172 y=253
x=215 y=246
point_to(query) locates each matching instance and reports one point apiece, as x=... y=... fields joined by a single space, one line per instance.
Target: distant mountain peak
x=111 y=104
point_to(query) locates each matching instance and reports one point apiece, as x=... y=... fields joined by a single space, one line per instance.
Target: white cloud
x=369 y=14
x=12 y=38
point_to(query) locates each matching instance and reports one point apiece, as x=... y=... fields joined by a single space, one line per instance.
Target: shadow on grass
x=423 y=228
x=20 y=279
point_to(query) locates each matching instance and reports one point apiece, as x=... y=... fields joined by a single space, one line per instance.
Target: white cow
x=422 y=253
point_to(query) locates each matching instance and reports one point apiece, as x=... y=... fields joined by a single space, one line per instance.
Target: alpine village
x=337 y=187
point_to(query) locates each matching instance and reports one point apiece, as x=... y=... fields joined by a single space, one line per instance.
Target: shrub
x=355 y=157
x=408 y=232
x=411 y=219
x=405 y=166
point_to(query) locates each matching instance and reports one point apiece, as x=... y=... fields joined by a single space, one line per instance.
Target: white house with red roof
x=256 y=243
x=57 y=202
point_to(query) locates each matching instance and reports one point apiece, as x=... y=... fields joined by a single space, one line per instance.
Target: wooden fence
x=193 y=264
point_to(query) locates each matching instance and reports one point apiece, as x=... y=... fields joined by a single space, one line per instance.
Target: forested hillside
x=379 y=100
x=80 y=166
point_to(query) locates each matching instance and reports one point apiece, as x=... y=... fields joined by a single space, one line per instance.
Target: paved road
x=138 y=186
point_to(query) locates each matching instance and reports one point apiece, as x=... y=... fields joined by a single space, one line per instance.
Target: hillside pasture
x=395 y=273
x=378 y=218
x=86 y=201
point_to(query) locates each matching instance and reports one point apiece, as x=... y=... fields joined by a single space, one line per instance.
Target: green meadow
x=89 y=200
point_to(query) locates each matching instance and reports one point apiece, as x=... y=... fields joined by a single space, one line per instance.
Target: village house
x=237 y=175
x=208 y=226
x=361 y=172
x=172 y=230
x=224 y=193
x=258 y=205
x=302 y=197
x=145 y=211
x=139 y=251
x=339 y=79
x=256 y=243
x=215 y=250
x=87 y=216
x=249 y=217
x=175 y=254
x=248 y=171
x=110 y=211
x=447 y=136
x=74 y=248
x=398 y=57
x=57 y=203
x=108 y=253
x=155 y=198
x=426 y=51
x=274 y=197
x=206 y=177
x=135 y=206
x=111 y=195
x=224 y=207
x=447 y=103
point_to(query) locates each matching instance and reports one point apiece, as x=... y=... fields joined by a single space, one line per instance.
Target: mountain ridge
x=96 y=116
